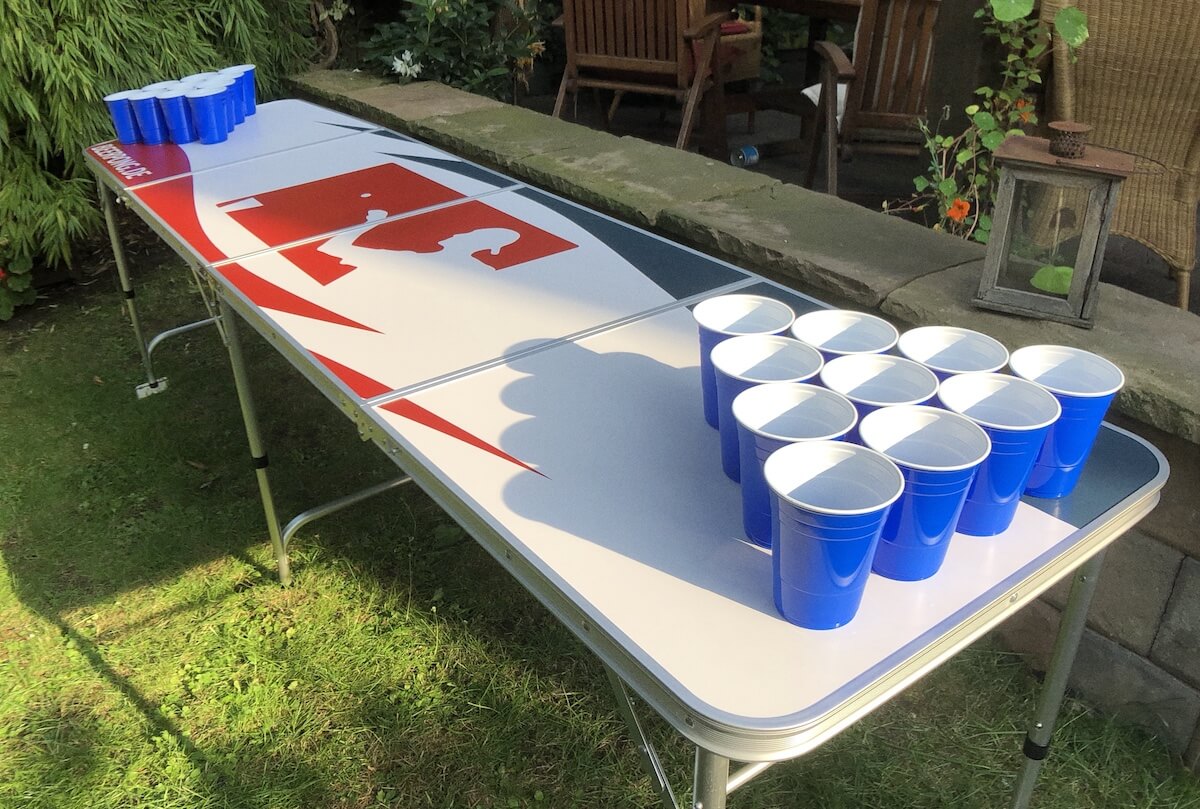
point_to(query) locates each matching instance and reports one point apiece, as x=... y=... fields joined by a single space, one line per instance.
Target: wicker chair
x=1137 y=82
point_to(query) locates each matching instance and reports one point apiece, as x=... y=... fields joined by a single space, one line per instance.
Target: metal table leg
x=1074 y=618
x=257 y=451
x=153 y=384
x=711 y=780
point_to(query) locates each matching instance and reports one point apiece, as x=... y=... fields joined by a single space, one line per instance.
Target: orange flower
x=1021 y=103
x=958 y=209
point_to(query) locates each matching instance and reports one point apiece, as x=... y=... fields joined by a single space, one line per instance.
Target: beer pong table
x=532 y=366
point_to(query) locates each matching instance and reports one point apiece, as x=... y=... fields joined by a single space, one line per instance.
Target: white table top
x=534 y=365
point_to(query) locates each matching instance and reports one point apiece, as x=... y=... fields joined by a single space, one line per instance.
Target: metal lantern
x=1050 y=225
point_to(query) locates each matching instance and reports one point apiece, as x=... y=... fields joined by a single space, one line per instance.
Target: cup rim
x=204 y=91
x=895 y=412
x=1018 y=357
x=120 y=95
x=772 y=388
x=1007 y=380
x=864 y=317
x=978 y=336
x=886 y=359
x=842 y=448
x=786 y=343
x=700 y=311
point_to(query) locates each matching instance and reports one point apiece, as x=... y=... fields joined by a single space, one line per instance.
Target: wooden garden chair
x=873 y=100
x=646 y=47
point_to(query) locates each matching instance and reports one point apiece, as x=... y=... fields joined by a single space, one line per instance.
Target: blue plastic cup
x=199 y=78
x=173 y=102
x=1085 y=385
x=831 y=499
x=123 y=118
x=150 y=121
x=236 y=101
x=728 y=316
x=872 y=381
x=245 y=85
x=769 y=417
x=230 y=96
x=947 y=350
x=1016 y=415
x=208 y=113
x=753 y=359
x=938 y=452
x=839 y=332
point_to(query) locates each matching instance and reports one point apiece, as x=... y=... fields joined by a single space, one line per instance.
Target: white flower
x=405 y=67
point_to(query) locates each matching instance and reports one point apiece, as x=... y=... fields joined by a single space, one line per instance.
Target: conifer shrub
x=59 y=58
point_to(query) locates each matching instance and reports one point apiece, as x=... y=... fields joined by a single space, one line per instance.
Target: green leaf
x=981 y=236
x=985 y=222
x=1071 y=25
x=921 y=183
x=984 y=120
x=963 y=156
x=1009 y=10
x=19 y=283
x=947 y=187
x=992 y=140
x=971 y=110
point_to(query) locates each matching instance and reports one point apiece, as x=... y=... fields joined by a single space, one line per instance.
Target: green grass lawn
x=148 y=658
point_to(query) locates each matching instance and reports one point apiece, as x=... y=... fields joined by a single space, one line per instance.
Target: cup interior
x=833 y=477
x=842 y=331
x=952 y=350
x=1066 y=370
x=1000 y=401
x=743 y=314
x=766 y=358
x=925 y=437
x=794 y=412
x=879 y=379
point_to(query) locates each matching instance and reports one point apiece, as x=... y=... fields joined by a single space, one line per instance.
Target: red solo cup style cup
x=123 y=118
x=947 y=350
x=838 y=332
x=937 y=452
x=208 y=113
x=1085 y=385
x=1016 y=415
x=770 y=417
x=752 y=359
x=151 y=123
x=726 y=316
x=872 y=381
x=831 y=499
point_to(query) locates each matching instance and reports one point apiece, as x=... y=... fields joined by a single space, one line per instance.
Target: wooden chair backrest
x=628 y=36
x=893 y=53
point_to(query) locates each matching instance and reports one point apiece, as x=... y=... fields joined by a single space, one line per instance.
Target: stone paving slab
x=1129 y=615
x=1179 y=637
x=1154 y=344
x=1110 y=676
x=824 y=243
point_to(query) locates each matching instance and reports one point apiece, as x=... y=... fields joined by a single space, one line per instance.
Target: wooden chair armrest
x=706 y=25
x=835 y=58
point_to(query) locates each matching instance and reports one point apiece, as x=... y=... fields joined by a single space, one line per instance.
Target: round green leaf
x=921 y=183
x=947 y=187
x=992 y=140
x=971 y=110
x=1071 y=25
x=984 y=120
x=1009 y=10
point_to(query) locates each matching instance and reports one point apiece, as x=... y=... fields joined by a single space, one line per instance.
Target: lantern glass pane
x=1043 y=247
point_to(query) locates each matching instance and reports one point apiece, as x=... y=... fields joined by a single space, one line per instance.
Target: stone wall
x=1140 y=657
